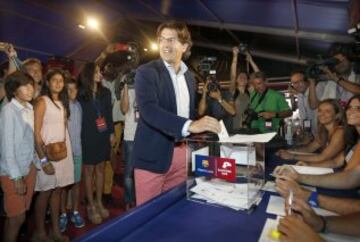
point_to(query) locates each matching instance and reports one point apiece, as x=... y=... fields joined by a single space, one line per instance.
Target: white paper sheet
x=223 y=133
x=243 y=155
x=309 y=170
x=276 y=206
x=270 y=187
x=243 y=138
x=236 y=196
x=269 y=226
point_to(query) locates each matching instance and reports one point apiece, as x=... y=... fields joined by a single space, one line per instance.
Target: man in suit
x=165 y=94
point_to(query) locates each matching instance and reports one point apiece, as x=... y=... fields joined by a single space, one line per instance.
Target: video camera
x=128 y=78
x=314 y=71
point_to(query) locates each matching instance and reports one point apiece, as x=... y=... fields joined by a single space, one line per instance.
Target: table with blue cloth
x=171 y=217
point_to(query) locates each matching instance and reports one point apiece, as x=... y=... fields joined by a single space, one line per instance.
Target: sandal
x=104 y=213
x=93 y=215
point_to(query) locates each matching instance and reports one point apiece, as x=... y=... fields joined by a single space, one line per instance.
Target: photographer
x=338 y=81
x=32 y=66
x=267 y=106
x=129 y=108
x=344 y=74
x=215 y=103
x=300 y=88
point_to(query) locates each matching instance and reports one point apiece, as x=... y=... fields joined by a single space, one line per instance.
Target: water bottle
x=288 y=132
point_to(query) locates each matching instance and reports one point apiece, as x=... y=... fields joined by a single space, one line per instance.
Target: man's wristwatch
x=220 y=100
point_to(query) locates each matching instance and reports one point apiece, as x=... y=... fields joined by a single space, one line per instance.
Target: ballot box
x=227 y=172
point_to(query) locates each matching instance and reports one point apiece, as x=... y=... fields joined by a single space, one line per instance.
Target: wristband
x=43 y=161
x=313 y=199
x=220 y=100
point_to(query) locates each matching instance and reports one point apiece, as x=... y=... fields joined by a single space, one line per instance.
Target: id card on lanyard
x=136 y=112
x=100 y=121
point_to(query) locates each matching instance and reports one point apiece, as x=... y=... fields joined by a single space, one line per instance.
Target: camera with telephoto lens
x=206 y=64
x=313 y=71
x=251 y=115
x=213 y=83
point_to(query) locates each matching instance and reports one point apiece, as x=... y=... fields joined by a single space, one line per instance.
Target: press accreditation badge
x=268 y=124
x=307 y=123
x=101 y=124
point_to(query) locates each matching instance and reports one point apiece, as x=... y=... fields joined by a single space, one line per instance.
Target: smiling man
x=165 y=93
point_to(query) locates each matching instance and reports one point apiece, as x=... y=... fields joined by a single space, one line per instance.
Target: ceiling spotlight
x=154 y=46
x=81 y=26
x=145 y=49
x=92 y=23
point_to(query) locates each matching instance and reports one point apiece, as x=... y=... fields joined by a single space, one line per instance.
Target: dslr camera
x=313 y=70
x=251 y=115
x=127 y=78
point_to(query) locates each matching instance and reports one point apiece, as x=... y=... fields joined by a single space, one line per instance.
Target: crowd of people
x=54 y=126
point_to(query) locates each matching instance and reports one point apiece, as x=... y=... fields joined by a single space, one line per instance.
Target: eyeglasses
x=354 y=108
x=170 y=40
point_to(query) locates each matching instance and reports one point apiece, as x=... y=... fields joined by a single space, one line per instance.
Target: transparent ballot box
x=227 y=173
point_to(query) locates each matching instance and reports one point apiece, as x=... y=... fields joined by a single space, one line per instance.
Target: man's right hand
x=204 y=124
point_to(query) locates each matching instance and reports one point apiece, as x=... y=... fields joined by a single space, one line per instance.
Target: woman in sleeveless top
x=330 y=137
x=350 y=157
x=51 y=112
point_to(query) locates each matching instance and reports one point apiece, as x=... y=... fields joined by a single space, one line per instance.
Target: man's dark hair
x=336 y=49
x=298 y=71
x=16 y=80
x=182 y=31
x=258 y=74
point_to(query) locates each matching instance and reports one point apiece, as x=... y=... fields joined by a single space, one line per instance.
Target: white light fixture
x=145 y=49
x=92 y=23
x=81 y=26
x=154 y=46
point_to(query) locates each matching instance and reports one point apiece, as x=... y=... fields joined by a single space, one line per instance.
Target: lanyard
x=97 y=107
x=260 y=99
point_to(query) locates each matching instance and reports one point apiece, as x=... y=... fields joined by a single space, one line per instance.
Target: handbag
x=57 y=151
